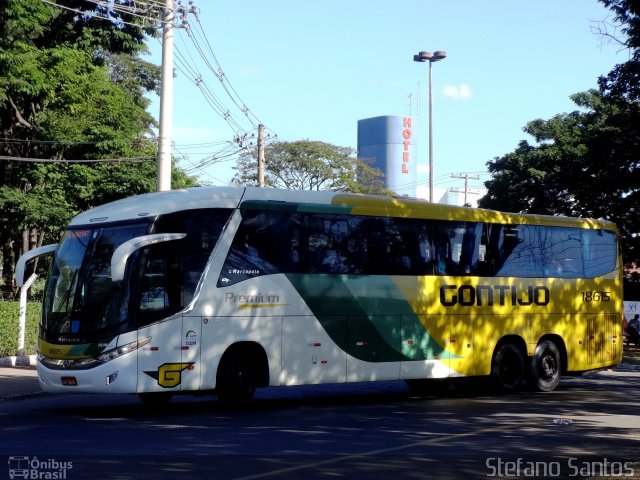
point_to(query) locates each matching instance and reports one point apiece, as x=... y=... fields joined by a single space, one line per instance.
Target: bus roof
x=153 y=204
x=150 y=205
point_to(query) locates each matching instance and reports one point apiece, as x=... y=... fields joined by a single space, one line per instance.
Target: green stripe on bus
x=375 y=323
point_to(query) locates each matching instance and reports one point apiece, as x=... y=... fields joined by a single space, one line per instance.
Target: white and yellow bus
x=228 y=289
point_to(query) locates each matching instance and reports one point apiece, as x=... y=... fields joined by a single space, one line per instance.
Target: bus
x=223 y=290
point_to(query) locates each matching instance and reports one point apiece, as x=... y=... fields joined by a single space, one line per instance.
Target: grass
x=9 y=314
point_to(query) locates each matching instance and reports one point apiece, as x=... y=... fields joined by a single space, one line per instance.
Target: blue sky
x=310 y=70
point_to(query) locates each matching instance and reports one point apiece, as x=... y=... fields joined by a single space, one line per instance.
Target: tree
x=557 y=175
x=584 y=163
x=72 y=87
x=310 y=165
x=623 y=82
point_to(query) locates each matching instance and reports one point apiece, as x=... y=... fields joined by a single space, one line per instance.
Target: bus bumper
x=117 y=376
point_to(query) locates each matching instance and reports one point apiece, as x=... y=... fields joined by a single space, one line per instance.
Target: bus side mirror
x=124 y=251
x=30 y=255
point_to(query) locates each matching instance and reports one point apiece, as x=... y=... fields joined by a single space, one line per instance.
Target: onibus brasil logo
x=41 y=469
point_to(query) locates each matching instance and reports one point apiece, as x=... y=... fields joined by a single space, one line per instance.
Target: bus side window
x=424 y=249
x=469 y=256
x=456 y=248
x=484 y=267
x=517 y=252
x=441 y=249
x=599 y=251
x=153 y=295
x=319 y=252
x=411 y=247
x=169 y=273
x=160 y=285
x=561 y=252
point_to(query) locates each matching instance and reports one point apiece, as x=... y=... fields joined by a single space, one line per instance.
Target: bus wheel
x=546 y=367
x=236 y=380
x=507 y=367
x=155 y=399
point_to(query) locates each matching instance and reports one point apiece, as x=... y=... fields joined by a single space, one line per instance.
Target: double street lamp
x=430 y=57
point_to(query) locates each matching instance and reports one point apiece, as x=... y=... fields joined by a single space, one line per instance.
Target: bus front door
x=170 y=361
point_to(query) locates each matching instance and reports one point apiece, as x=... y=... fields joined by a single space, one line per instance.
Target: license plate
x=69 y=381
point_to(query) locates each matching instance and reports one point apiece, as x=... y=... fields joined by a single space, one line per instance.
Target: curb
x=23 y=396
x=18 y=361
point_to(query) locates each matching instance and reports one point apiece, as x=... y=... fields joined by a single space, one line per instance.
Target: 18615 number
x=596 y=296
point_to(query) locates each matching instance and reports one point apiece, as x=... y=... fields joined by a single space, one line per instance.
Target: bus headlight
x=117 y=352
x=68 y=363
x=86 y=363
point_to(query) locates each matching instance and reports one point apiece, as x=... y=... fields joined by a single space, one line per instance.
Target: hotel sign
x=406 y=135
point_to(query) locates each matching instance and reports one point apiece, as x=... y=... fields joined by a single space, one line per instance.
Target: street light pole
x=430 y=57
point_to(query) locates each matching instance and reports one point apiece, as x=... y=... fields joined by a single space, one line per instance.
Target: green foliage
x=584 y=163
x=551 y=177
x=310 y=165
x=72 y=86
x=623 y=82
x=22 y=20
x=9 y=316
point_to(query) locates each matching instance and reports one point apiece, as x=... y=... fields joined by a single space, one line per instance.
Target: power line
x=192 y=73
x=203 y=47
x=443 y=180
x=233 y=94
x=152 y=11
x=97 y=14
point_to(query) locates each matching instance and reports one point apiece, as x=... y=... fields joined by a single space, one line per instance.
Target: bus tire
x=236 y=383
x=508 y=367
x=546 y=367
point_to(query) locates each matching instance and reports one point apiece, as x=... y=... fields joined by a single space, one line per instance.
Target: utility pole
x=163 y=180
x=466 y=177
x=261 y=155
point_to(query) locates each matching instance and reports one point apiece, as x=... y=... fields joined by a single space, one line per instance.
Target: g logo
x=169 y=375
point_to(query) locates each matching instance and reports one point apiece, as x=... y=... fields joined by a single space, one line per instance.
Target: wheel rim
x=548 y=367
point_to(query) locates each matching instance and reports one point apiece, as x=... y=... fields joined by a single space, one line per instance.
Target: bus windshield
x=83 y=304
x=80 y=298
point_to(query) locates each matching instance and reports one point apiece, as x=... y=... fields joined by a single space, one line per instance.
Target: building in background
x=390 y=143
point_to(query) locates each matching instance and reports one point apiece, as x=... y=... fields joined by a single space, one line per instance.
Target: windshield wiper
x=67 y=295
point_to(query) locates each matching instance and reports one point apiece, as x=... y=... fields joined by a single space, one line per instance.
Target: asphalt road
x=588 y=428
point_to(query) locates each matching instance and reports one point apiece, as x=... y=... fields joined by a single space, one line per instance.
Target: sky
x=311 y=70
